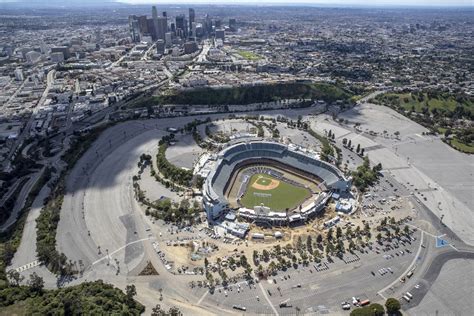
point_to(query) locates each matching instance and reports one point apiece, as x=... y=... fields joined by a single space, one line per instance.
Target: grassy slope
x=448 y=104
x=254 y=94
x=284 y=196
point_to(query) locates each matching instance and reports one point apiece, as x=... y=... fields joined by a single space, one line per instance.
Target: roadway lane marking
x=117 y=250
x=266 y=297
x=202 y=297
x=406 y=271
x=424 y=231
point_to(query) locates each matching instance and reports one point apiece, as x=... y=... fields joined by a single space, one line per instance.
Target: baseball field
x=276 y=194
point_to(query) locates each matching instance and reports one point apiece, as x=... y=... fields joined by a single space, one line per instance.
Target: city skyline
x=325 y=3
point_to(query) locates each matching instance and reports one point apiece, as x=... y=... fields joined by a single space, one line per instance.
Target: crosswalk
x=28 y=266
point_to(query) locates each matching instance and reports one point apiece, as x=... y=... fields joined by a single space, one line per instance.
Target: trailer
x=239 y=307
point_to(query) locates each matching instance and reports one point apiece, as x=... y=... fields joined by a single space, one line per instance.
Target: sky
x=325 y=2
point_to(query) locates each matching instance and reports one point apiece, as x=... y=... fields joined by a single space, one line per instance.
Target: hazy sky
x=326 y=2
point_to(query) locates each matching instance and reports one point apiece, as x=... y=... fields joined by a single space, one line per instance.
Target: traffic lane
x=431 y=274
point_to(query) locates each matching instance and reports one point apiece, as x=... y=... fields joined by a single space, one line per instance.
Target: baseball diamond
x=283 y=194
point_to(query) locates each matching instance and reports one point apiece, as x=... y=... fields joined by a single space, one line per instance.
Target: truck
x=409 y=295
x=364 y=302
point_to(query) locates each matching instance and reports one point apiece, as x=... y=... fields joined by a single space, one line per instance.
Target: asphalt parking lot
x=310 y=290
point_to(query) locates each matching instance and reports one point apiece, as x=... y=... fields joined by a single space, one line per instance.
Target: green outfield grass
x=282 y=197
x=249 y=55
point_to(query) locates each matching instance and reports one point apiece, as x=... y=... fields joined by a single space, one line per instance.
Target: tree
x=130 y=291
x=406 y=229
x=36 y=283
x=255 y=257
x=358 y=148
x=266 y=255
x=362 y=151
x=393 y=306
x=379 y=237
x=371 y=310
x=319 y=239
x=309 y=244
x=329 y=235
x=15 y=277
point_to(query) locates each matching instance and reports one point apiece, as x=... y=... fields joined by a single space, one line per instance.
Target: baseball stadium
x=270 y=182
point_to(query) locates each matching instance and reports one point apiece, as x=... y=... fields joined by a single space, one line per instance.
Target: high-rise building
x=134 y=28
x=160 y=46
x=190 y=47
x=151 y=29
x=233 y=25
x=192 y=17
x=220 y=34
x=162 y=27
x=154 y=16
x=19 y=74
x=218 y=23
x=168 y=39
x=193 y=30
x=61 y=49
x=208 y=24
x=165 y=14
x=143 y=24
x=57 y=57
x=181 y=24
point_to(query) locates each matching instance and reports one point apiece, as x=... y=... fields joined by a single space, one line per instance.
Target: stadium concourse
x=273 y=160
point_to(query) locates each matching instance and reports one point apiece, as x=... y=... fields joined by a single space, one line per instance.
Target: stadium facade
x=234 y=157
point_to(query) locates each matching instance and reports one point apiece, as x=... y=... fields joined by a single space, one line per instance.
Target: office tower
x=143 y=24
x=160 y=46
x=151 y=29
x=162 y=27
x=173 y=28
x=154 y=16
x=57 y=57
x=64 y=50
x=191 y=21
x=190 y=47
x=218 y=23
x=168 y=39
x=19 y=74
x=98 y=36
x=181 y=24
x=233 y=25
x=133 y=28
x=165 y=14
x=193 y=30
x=208 y=24
x=220 y=34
